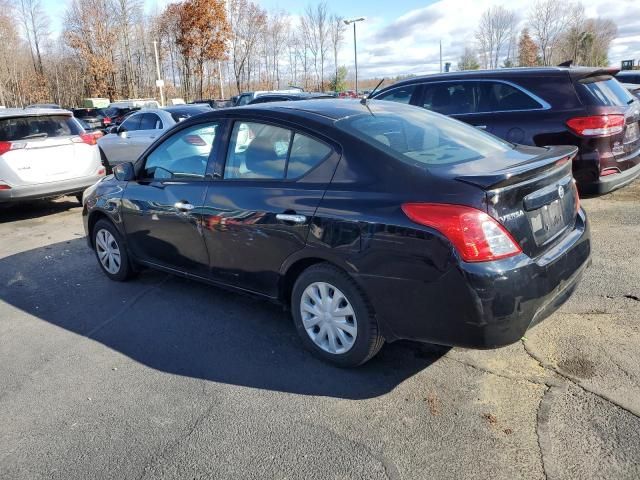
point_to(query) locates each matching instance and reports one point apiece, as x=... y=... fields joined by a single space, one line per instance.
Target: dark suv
x=585 y=107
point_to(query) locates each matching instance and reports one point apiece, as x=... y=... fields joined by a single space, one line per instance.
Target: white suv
x=45 y=153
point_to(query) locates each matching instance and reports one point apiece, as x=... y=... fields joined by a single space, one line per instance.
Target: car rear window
x=604 y=91
x=27 y=128
x=423 y=138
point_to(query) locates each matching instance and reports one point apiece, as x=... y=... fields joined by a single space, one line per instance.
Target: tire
x=346 y=350
x=104 y=232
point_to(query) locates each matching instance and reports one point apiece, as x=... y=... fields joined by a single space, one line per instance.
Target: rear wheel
x=110 y=251
x=333 y=317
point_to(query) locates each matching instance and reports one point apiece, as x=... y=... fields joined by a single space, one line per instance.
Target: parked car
x=44 y=105
x=94 y=132
x=373 y=221
x=585 y=107
x=348 y=94
x=245 y=97
x=629 y=76
x=117 y=115
x=128 y=140
x=634 y=89
x=45 y=153
x=94 y=118
x=285 y=97
x=215 y=103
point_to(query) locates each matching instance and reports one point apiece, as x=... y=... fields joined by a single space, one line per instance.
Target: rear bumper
x=610 y=183
x=480 y=305
x=47 y=190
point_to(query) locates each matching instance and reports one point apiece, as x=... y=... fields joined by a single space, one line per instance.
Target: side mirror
x=124 y=172
x=122 y=133
x=113 y=129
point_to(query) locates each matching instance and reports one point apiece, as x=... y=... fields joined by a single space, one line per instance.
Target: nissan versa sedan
x=373 y=221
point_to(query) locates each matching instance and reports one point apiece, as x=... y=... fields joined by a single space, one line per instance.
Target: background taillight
x=476 y=236
x=597 y=125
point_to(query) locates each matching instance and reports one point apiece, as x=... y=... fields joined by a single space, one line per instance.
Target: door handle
x=288 y=217
x=481 y=127
x=183 y=206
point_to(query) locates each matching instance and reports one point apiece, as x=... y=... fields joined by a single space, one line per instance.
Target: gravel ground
x=167 y=378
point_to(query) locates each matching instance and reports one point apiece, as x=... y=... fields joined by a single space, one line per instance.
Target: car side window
x=131 y=124
x=150 y=121
x=261 y=151
x=183 y=155
x=451 y=98
x=399 y=95
x=305 y=154
x=257 y=150
x=502 y=97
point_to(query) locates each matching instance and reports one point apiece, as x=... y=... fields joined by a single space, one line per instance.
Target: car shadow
x=188 y=328
x=12 y=212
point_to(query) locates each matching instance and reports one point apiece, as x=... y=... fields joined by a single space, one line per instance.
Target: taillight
x=597 y=125
x=609 y=171
x=106 y=121
x=7 y=146
x=477 y=236
x=87 y=138
x=101 y=171
x=4 y=186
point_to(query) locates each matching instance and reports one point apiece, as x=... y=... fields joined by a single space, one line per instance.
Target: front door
x=162 y=209
x=260 y=211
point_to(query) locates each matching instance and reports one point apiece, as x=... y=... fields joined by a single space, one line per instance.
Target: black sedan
x=373 y=221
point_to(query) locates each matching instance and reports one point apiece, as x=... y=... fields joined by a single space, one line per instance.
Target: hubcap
x=108 y=251
x=328 y=318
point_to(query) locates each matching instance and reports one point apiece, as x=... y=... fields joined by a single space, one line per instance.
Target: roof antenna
x=364 y=100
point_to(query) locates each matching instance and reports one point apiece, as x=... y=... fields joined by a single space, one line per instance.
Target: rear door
x=258 y=213
x=460 y=99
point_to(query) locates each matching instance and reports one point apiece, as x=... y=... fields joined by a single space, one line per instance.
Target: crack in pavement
x=173 y=446
x=577 y=382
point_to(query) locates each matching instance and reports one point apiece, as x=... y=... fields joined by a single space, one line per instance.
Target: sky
x=402 y=37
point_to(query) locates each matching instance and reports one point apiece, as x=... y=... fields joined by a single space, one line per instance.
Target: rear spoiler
x=578 y=74
x=555 y=158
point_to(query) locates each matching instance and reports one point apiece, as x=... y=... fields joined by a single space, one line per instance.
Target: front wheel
x=333 y=317
x=110 y=251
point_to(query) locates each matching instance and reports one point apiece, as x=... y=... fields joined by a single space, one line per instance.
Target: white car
x=126 y=142
x=45 y=153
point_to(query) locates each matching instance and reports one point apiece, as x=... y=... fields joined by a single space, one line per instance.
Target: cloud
x=410 y=43
x=407 y=24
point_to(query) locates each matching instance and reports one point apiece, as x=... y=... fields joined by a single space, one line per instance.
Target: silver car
x=45 y=153
x=132 y=137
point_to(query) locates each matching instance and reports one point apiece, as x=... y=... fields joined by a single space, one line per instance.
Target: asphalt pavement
x=163 y=377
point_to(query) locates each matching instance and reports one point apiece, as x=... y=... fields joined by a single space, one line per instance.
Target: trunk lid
x=535 y=199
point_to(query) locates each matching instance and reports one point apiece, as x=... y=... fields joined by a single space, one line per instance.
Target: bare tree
x=336 y=34
x=246 y=21
x=36 y=28
x=316 y=25
x=497 y=27
x=548 y=21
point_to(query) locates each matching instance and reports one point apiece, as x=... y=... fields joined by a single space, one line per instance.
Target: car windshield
x=85 y=112
x=423 y=138
x=27 y=128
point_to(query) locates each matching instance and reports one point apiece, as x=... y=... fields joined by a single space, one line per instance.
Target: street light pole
x=355 y=45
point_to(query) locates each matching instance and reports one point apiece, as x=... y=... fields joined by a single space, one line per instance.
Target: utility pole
x=440 y=56
x=220 y=78
x=159 y=82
